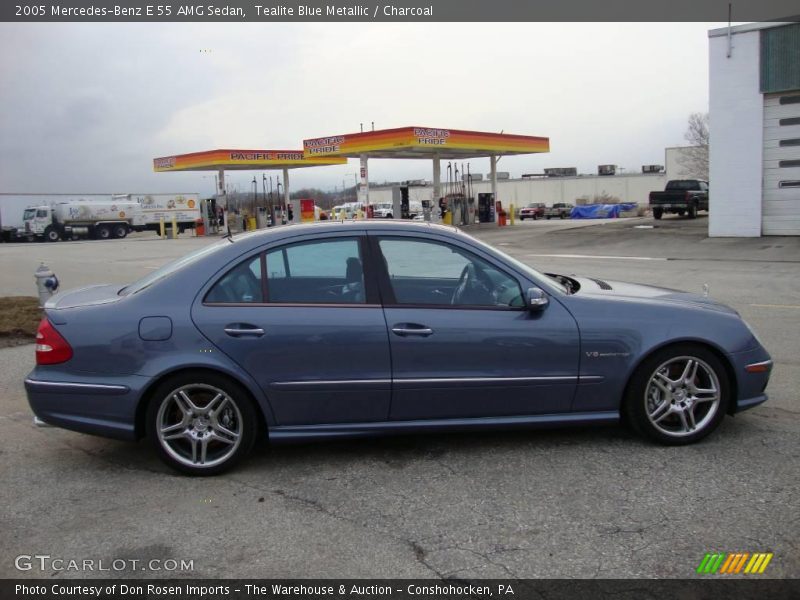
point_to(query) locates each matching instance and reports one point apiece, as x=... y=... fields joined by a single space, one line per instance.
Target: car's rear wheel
x=692 y=212
x=102 y=232
x=201 y=423
x=120 y=231
x=679 y=395
x=657 y=213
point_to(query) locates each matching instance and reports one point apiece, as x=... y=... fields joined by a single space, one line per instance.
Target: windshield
x=171 y=268
x=552 y=285
x=28 y=214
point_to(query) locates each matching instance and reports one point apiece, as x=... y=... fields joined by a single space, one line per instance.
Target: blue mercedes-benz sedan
x=369 y=328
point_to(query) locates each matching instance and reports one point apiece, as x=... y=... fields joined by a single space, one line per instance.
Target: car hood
x=86 y=296
x=634 y=291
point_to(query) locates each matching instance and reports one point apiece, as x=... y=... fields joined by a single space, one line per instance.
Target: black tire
x=658 y=213
x=692 y=212
x=120 y=231
x=562 y=216
x=51 y=234
x=102 y=232
x=639 y=399
x=244 y=420
x=548 y=217
x=681 y=212
x=535 y=217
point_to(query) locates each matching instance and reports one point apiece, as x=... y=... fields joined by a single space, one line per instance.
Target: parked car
x=383 y=210
x=681 y=197
x=559 y=210
x=335 y=330
x=532 y=211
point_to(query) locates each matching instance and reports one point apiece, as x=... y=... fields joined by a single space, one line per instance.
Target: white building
x=754 y=123
x=634 y=187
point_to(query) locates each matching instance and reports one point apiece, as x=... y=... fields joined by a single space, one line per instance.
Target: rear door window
x=328 y=271
x=240 y=285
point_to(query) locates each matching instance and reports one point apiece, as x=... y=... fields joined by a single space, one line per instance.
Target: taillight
x=51 y=348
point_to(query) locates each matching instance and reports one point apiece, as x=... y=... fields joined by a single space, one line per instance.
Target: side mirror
x=537 y=299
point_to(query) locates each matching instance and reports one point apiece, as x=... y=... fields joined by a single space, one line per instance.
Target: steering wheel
x=474 y=286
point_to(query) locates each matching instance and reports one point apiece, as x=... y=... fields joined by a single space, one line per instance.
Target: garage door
x=781 y=195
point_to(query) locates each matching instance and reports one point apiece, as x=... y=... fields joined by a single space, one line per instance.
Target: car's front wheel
x=679 y=395
x=201 y=423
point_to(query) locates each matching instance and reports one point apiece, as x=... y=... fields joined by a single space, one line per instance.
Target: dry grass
x=19 y=319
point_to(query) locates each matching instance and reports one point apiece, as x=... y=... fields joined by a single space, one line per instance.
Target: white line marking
x=775 y=305
x=595 y=256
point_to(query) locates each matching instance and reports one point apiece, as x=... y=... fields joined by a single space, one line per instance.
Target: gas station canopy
x=222 y=160
x=248 y=160
x=424 y=142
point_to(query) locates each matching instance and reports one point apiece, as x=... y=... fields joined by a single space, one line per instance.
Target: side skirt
x=282 y=434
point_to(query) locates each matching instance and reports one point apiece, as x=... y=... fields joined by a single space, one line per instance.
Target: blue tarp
x=600 y=211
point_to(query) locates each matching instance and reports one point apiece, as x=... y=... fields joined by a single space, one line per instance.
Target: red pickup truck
x=532 y=211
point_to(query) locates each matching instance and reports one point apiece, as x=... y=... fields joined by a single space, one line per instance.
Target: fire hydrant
x=46 y=283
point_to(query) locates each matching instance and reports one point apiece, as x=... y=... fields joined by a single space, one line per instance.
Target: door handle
x=405 y=329
x=236 y=331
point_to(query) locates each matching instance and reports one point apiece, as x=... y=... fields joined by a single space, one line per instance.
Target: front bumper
x=752 y=370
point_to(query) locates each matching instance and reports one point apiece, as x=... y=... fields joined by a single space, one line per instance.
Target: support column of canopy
x=493 y=166
x=437 y=181
x=286 y=199
x=222 y=198
x=363 y=188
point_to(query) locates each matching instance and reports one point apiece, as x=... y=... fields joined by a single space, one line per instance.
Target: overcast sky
x=86 y=107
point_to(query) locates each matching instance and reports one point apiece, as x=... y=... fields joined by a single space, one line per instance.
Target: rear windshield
x=683 y=184
x=172 y=267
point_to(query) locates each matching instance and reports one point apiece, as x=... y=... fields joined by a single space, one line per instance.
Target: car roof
x=343 y=225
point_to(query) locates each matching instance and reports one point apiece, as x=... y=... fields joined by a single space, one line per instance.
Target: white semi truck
x=116 y=218
x=82 y=219
x=185 y=209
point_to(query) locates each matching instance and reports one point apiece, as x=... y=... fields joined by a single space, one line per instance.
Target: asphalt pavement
x=579 y=502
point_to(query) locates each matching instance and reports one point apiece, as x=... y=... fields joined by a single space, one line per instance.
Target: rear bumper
x=671 y=206
x=107 y=409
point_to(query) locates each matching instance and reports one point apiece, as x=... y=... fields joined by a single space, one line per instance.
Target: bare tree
x=694 y=158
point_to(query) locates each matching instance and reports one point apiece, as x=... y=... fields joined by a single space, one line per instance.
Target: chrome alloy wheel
x=199 y=425
x=682 y=396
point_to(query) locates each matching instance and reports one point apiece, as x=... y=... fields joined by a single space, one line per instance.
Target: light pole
x=255 y=198
x=355 y=186
x=283 y=206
